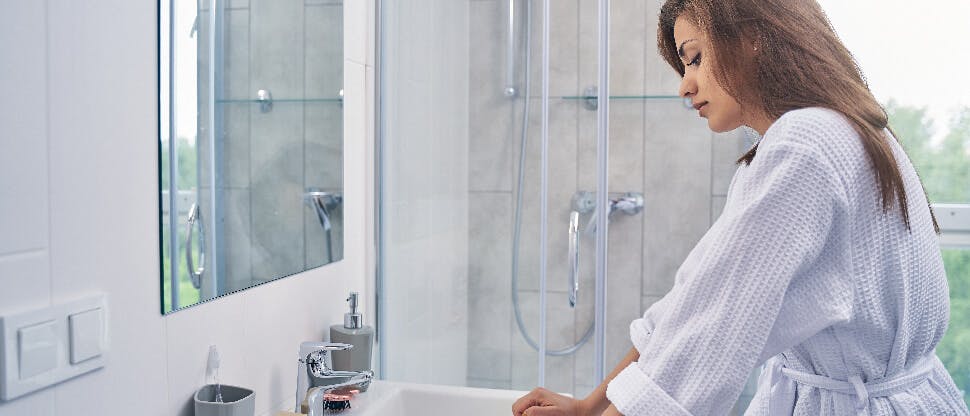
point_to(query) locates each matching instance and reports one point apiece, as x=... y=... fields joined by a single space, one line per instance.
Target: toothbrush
x=213 y=367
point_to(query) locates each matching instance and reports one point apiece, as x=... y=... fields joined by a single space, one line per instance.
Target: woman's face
x=723 y=113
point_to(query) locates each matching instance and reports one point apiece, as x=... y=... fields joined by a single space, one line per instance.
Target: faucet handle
x=308 y=347
x=315 y=355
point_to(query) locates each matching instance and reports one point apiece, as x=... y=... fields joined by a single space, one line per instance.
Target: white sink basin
x=386 y=398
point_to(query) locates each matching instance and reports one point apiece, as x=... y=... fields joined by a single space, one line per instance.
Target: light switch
x=45 y=346
x=85 y=328
x=38 y=349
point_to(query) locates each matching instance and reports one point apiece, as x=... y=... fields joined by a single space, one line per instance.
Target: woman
x=824 y=265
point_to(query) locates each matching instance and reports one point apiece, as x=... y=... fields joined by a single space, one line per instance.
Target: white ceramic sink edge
x=388 y=398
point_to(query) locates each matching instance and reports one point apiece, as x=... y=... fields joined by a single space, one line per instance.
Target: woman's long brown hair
x=800 y=63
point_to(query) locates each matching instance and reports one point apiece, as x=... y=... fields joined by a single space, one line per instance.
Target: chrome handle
x=195 y=215
x=573 y=257
x=333 y=346
x=317 y=355
x=316 y=352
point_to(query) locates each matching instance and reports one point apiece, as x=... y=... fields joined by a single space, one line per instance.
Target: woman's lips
x=700 y=108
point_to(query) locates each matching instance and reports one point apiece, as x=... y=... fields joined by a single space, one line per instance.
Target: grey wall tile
x=678 y=166
x=494 y=140
x=235 y=145
x=626 y=147
x=726 y=149
x=583 y=376
x=661 y=79
x=236 y=61
x=624 y=302
x=562 y=160
x=276 y=41
x=324 y=51
x=629 y=38
x=494 y=119
x=489 y=303
x=563 y=53
x=237 y=246
x=323 y=148
x=586 y=143
x=323 y=161
x=624 y=269
x=560 y=334
x=277 y=192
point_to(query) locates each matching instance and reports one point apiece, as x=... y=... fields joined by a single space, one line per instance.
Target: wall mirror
x=250 y=143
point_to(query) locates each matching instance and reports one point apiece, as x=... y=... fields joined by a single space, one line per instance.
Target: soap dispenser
x=352 y=332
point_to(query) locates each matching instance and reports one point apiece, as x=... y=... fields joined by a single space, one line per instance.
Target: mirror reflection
x=250 y=143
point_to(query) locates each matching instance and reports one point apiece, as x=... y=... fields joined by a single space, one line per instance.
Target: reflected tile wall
x=291 y=48
x=277 y=192
x=237 y=248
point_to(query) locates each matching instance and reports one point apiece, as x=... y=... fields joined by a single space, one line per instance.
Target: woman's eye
x=696 y=61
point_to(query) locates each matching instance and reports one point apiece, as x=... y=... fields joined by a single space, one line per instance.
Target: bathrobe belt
x=781 y=382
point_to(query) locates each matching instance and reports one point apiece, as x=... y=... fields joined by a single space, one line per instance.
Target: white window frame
x=954 y=221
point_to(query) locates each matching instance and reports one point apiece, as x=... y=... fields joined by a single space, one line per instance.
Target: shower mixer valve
x=629 y=203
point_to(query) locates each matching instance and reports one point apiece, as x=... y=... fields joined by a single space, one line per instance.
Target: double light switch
x=49 y=345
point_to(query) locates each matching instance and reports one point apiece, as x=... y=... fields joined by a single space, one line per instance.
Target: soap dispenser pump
x=353 y=332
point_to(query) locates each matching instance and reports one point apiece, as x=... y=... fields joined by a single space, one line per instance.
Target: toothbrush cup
x=236 y=401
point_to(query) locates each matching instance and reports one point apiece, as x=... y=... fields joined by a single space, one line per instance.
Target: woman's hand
x=542 y=402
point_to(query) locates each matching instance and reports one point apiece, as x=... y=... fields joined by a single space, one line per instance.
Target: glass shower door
x=485 y=155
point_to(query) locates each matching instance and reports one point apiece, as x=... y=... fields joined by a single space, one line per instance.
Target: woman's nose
x=687 y=86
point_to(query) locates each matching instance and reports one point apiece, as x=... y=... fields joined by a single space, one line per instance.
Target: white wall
x=78 y=214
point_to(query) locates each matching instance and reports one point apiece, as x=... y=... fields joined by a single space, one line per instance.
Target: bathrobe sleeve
x=758 y=287
x=640 y=329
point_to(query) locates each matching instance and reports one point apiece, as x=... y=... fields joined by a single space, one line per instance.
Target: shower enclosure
x=524 y=217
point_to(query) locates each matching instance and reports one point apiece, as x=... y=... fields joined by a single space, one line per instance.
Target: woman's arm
x=611 y=411
x=542 y=402
x=596 y=403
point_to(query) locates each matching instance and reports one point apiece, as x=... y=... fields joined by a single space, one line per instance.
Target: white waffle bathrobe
x=804 y=268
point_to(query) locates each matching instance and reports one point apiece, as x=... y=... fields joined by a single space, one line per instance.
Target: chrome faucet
x=314 y=371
